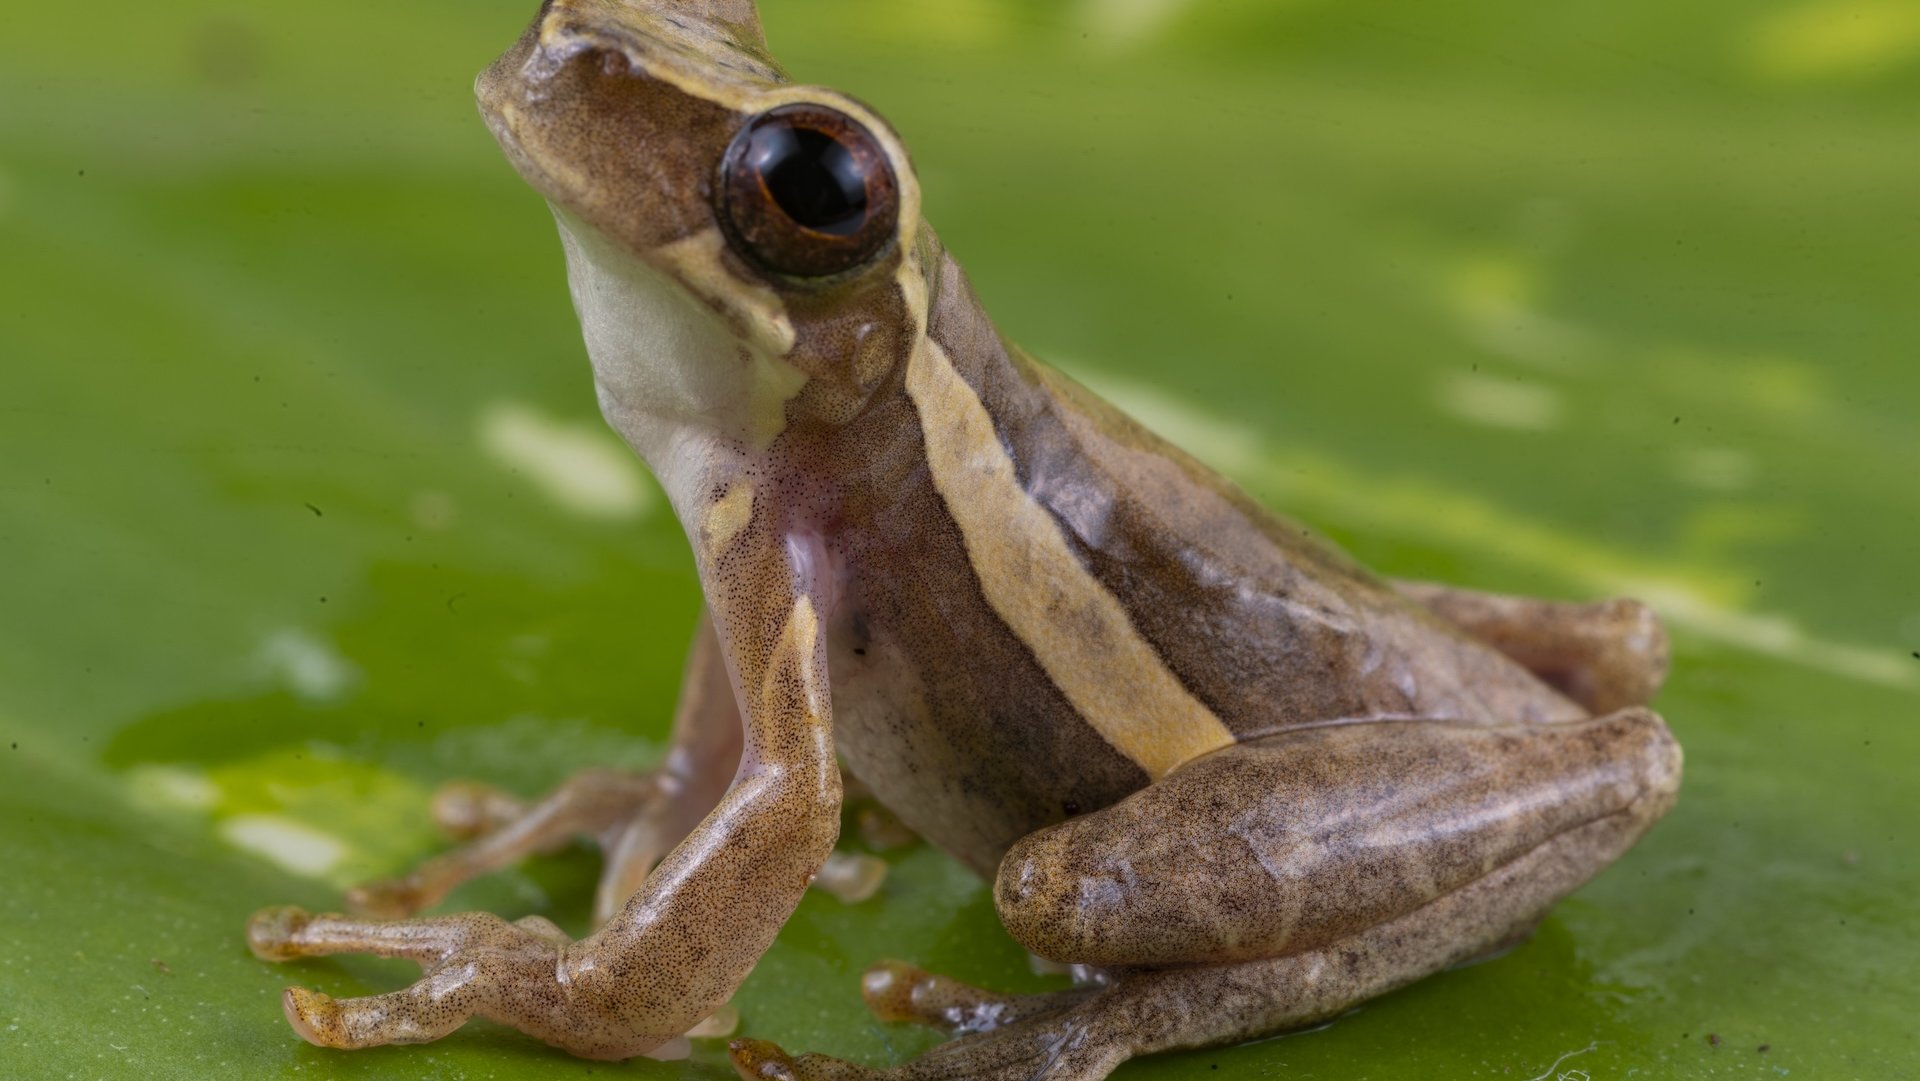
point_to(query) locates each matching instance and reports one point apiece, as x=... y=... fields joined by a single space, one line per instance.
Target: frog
x=1233 y=781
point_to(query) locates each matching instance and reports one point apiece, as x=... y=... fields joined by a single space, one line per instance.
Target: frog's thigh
x=1304 y=839
x=1606 y=656
x=1282 y=881
x=1153 y=1010
x=1148 y=1011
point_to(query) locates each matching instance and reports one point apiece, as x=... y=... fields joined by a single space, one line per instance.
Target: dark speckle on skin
x=314 y=509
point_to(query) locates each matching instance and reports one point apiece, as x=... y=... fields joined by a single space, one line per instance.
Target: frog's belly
x=970 y=771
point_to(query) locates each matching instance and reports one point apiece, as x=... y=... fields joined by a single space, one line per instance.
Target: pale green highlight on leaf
x=577 y=465
x=1835 y=39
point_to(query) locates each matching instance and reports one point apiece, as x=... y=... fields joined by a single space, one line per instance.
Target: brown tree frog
x=1202 y=756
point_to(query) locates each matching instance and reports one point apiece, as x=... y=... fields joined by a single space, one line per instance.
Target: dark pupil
x=812 y=177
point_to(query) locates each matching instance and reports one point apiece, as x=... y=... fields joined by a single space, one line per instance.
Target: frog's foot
x=626 y=812
x=1004 y=1037
x=1605 y=656
x=472 y=965
x=1377 y=914
x=1059 y=1045
x=896 y=991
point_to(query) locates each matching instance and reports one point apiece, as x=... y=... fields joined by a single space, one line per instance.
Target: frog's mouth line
x=500 y=121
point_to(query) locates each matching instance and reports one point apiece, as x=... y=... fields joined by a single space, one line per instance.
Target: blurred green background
x=305 y=508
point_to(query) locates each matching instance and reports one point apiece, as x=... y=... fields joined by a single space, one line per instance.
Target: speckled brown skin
x=1290 y=843
x=1199 y=748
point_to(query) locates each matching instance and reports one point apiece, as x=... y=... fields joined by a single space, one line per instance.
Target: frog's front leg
x=693 y=931
x=1606 y=656
x=636 y=817
x=1276 y=883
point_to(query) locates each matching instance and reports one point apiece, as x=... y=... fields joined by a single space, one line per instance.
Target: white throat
x=671 y=377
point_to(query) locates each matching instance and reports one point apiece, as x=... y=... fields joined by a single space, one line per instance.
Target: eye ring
x=806 y=191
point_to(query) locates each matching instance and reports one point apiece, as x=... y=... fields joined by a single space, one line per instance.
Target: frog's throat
x=678 y=374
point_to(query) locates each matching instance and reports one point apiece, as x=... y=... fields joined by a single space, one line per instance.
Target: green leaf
x=1579 y=300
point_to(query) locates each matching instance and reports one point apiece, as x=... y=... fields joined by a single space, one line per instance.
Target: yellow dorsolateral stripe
x=727 y=517
x=791 y=682
x=1077 y=629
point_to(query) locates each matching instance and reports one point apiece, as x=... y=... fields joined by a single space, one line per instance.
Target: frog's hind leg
x=1155 y=1010
x=1606 y=656
x=461 y=957
x=1275 y=884
x=635 y=817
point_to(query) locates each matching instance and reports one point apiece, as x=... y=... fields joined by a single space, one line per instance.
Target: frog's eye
x=805 y=190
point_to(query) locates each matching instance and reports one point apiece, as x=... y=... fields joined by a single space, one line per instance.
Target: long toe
x=271 y=932
x=313 y=1015
x=758 y=1060
x=387 y=899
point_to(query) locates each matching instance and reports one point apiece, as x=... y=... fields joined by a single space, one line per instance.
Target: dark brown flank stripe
x=1217 y=590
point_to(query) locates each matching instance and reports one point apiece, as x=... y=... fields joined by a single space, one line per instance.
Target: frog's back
x=1064 y=606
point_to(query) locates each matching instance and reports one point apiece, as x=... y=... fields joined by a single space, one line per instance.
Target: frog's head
x=735 y=242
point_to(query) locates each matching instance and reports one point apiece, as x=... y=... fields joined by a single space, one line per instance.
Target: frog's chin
x=669 y=372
